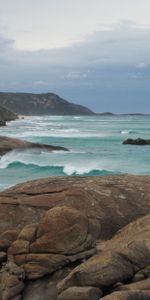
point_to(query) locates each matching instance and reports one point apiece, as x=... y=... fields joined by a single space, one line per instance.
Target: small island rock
x=138 y=141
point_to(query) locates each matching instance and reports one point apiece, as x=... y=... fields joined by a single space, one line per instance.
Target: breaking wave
x=55 y=160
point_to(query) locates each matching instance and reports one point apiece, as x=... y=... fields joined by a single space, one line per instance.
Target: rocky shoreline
x=9 y=144
x=6 y=115
x=76 y=238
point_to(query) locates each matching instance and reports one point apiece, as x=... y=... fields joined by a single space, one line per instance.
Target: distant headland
x=13 y=104
x=122 y=114
x=41 y=104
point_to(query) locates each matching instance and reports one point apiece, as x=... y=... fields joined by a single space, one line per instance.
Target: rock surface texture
x=76 y=238
x=8 y=144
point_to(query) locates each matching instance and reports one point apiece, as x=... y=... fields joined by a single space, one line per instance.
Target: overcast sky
x=96 y=53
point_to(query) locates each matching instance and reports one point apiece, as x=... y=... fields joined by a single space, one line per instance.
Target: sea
x=94 y=143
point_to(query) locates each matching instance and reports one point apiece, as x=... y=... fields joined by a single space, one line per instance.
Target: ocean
x=94 y=143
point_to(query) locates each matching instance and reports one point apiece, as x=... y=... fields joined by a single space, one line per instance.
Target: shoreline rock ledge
x=76 y=238
x=9 y=144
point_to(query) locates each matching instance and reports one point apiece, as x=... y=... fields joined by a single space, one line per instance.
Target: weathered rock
x=120 y=259
x=11 y=286
x=64 y=235
x=115 y=200
x=144 y=273
x=130 y=295
x=8 y=144
x=65 y=231
x=10 y=235
x=138 y=141
x=140 y=285
x=11 y=281
x=19 y=247
x=7 y=238
x=28 y=233
x=39 y=265
x=81 y=293
x=58 y=221
x=4 y=245
x=40 y=289
x=3 y=257
x=19 y=297
x=138 y=276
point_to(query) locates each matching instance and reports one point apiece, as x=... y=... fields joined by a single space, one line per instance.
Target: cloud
x=142 y=65
x=41 y=83
x=136 y=75
x=107 y=64
x=6 y=43
x=114 y=46
x=75 y=75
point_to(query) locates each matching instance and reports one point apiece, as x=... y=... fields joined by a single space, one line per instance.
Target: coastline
x=95 y=145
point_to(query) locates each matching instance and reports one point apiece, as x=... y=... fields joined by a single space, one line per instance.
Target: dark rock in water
x=138 y=141
x=107 y=113
x=8 y=144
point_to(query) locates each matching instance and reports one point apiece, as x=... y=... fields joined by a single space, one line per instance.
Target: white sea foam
x=95 y=143
x=126 y=131
x=56 y=159
x=67 y=133
x=70 y=169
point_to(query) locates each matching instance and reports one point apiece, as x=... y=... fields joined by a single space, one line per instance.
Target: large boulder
x=11 y=281
x=64 y=235
x=61 y=231
x=65 y=231
x=81 y=293
x=115 y=200
x=140 y=285
x=118 y=260
x=41 y=289
x=132 y=295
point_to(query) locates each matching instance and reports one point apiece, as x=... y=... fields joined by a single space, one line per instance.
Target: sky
x=96 y=53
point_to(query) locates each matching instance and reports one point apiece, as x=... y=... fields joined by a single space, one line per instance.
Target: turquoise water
x=95 y=144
